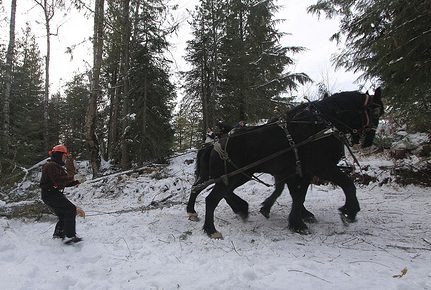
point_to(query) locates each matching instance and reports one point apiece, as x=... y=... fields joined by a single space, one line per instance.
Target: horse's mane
x=343 y=99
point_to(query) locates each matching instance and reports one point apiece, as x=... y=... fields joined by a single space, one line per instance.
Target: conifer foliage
x=135 y=96
x=388 y=41
x=26 y=104
x=239 y=67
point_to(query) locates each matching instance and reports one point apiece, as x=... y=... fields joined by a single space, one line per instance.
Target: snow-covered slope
x=137 y=236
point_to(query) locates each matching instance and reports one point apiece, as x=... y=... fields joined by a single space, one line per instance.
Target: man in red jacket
x=53 y=181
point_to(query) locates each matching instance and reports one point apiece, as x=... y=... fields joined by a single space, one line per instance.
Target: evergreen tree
x=268 y=61
x=76 y=100
x=255 y=71
x=57 y=121
x=202 y=82
x=137 y=81
x=389 y=42
x=111 y=77
x=236 y=59
x=27 y=102
x=153 y=93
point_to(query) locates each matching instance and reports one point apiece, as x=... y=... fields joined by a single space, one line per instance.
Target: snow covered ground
x=129 y=244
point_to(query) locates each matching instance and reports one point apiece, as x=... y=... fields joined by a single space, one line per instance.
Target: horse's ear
x=325 y=95
x=378 y=93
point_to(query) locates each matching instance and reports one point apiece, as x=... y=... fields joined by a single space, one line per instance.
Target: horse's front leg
x=351 y=207
x=269 y=202
x=211 y=202
x=298 y=189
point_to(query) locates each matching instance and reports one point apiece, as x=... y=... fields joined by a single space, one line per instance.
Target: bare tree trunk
x=48 y=12
x=125 y=158
x=48 y=16
x=113 y=117
x=145 y=110
x=242 y=101
x=214 y=68
x=204 y=89
x=90 y=118
x=46 y=93
x=9 y=64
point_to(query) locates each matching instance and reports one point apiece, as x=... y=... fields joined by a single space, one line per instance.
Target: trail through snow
x=160 y=248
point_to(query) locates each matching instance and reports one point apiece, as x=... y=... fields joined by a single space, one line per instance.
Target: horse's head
x=373 y=110
x=355 y=113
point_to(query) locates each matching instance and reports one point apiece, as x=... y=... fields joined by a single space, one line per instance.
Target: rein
x=319 y=135
x=326 y=132
x=341 y=136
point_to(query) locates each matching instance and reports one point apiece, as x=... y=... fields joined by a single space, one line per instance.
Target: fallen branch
x=408 y=248
x=233 y=245
x=127 y=172
x=299 y=271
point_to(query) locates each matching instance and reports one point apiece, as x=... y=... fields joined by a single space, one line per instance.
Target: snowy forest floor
x=137 y=236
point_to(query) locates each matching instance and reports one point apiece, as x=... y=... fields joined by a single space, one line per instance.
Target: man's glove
x=80 y=212
x=81 y=178
x=74 y=183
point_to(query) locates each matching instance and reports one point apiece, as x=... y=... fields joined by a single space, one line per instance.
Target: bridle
x=367 y=117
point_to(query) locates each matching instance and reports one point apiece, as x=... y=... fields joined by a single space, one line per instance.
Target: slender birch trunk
x=9 y=68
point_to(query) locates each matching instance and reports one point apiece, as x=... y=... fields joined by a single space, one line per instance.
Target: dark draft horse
x=307 y=143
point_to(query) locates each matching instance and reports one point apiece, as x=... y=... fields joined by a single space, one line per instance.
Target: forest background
x=124 y=105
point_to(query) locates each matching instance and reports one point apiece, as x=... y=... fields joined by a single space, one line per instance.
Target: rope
x=319 y=135
x=152 y=206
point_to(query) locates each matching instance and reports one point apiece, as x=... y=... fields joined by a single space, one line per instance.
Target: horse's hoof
x=346 y=219
x=264 y=212
x=193 y=217
x=243 y=215
x=302 y=230
x=216 y=236
x=310 y=219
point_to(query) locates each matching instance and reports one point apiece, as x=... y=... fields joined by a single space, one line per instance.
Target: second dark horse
x=306 y=144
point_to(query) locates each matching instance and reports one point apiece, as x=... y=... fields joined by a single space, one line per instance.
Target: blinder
x=372 y=112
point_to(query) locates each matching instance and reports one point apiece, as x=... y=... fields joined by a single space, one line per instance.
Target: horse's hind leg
x=191 y=212
x=238 y=205
x=298 y=189
x=269 y=202
x=220 y=190
x=308 y=216
x=202 y=175
x=351 y=207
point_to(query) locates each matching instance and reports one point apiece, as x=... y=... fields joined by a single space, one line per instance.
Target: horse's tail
x=202 y=164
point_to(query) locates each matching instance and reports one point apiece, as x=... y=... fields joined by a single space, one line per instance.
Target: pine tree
x=238 y=66
x=76 y=102
x=203 y=80
x=27 y=102
x=255 y=62
x=153 y=93
x=111 y=76
x=137 y=82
